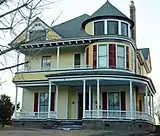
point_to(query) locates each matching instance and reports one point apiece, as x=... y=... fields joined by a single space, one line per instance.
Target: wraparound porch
x=89 y=108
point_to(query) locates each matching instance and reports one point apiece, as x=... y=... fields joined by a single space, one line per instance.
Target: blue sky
x=148 y=28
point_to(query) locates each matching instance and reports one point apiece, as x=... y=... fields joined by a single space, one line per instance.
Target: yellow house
x=88 y=69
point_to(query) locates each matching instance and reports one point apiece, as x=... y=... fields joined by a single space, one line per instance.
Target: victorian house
x=87 y=69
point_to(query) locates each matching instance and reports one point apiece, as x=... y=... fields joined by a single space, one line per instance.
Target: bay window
x=120 y=57
x=112 y=27
x=102 y=56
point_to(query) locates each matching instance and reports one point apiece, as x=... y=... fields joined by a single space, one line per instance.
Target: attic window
x=99 y=28
x=37 y=35
x=112 y=27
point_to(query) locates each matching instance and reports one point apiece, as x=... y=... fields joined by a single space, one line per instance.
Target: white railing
x=25 y=69
x=34 y=115
x=116 y=114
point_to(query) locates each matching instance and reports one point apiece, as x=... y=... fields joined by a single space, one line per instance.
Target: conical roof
x=107 y=11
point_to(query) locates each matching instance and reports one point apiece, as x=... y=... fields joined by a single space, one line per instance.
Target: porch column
x=15 y=109
x=56 y=102
x=146 y=100
x=98 y=98
x=131 y=99
x=49 y=98
x=57 y=57
x=150 y=105
x=84 y=97
x=89 y=101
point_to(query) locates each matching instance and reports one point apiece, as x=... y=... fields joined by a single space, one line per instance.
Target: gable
x=36 y=31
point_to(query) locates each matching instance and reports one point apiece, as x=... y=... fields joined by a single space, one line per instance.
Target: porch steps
x=70 y=125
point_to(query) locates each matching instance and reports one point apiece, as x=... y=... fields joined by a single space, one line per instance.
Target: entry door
x=80 y=105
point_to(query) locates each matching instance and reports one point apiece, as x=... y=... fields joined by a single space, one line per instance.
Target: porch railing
x=116 y=114
x=34 y=115
x=76 y=67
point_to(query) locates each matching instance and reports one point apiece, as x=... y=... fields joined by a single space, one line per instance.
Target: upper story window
x=46 y=63
x=102 y=56
x=37 y=35
x=124 y=29
x=112 y=27
x=120 y=57
x=77 y=60
x=99 y=28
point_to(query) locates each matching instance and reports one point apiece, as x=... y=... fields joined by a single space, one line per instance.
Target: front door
x=80 y=105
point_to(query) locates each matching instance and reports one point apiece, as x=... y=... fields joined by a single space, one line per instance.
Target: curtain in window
x=112 y=56
x=102 y=56
x=112 y=27
x=113 y=101
x=94 y=56
x=120 y=57
x=46 y=62
x=35 y=102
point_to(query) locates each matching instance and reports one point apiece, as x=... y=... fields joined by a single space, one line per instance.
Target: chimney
x=133 y=18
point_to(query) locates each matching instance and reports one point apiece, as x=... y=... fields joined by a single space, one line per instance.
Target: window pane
x=120 y=57
x=102 y=50
x=120 y=51
x=120 y=62
x=46 y=62
x=37 y=35
x=113 y=101
x=112 y=27
x=124 y=29
x=99 y=28
x=102 y=61
x=77 y=60
x=43 y=103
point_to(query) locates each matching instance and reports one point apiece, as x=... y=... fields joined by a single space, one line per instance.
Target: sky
x=148 y=28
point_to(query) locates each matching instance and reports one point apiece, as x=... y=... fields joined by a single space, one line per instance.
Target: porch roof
x=102 y=73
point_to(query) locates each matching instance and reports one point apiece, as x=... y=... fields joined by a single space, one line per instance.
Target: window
x=120 y=57
x=112 y=27
x=124 y=29
x=102 y=56
x=77 y=60
x=37 y=35
x=46 y=62
x=43 y=102
x=113 y=101
x=99 y=28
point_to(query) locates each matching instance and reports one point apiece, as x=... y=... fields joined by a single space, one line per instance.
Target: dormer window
x=37 y=35
x=112 y=27
x=99 y=28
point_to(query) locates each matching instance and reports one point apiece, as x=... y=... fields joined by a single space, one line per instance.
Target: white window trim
x=125 y=61
x=42 y=62
x=119 y=26
x=97 y=55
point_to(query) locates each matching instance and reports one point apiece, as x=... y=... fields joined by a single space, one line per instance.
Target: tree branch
x=14 y=66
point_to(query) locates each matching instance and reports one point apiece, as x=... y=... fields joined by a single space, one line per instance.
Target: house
x=88 y=69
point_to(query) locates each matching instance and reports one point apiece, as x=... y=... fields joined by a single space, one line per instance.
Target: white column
x=89 y=100
x=150 y=106
x=15 y=109
x=98 y=98
x=146 y=100
x=131 y=99
x=84 y=97
x=56 y=102
x=57 y=57
x=49 y=98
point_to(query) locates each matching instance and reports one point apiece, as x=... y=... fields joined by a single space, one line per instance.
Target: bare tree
x=157 y=108
x=16 y=14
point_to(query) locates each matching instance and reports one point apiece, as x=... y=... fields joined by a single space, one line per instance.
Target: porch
x=117 y=99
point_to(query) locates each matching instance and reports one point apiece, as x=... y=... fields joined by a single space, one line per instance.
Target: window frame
x=74 y=66
x=100 y=56
x=37 y=31
x=103 y=27
x=117 y=27
x=42 y=62
x=45 y=104
x=119 y=93
x=124 y=57
x=126 y=29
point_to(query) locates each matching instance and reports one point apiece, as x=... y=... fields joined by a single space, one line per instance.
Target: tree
x=157 y=108
x=16 y=14
x=6 y=110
